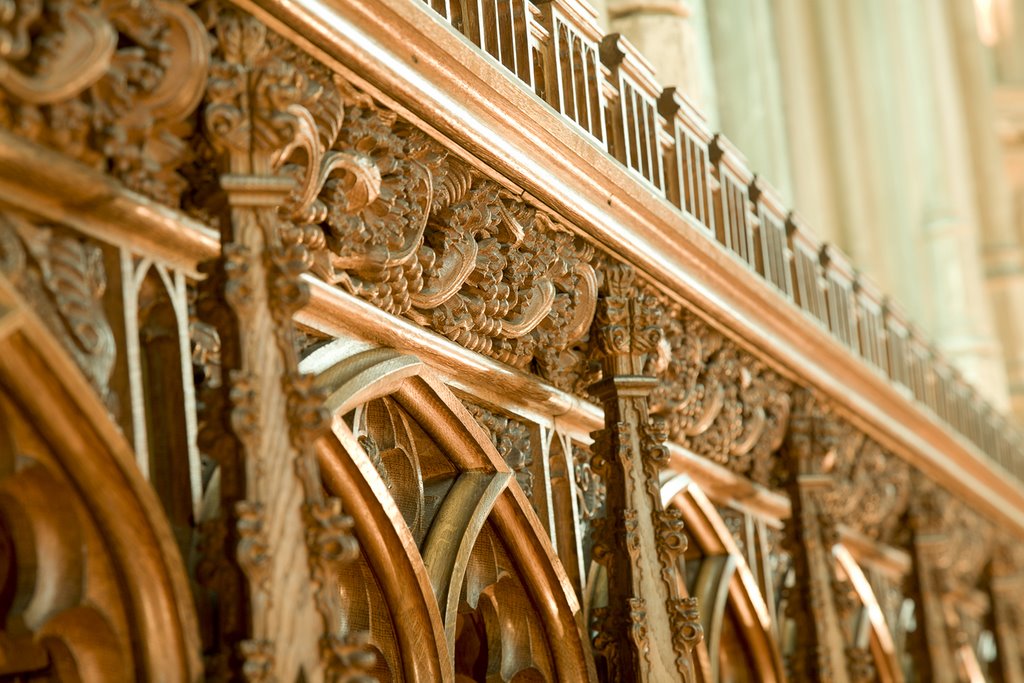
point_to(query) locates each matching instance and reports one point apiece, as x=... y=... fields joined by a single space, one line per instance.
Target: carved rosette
x=648 y=629
x=267 y=104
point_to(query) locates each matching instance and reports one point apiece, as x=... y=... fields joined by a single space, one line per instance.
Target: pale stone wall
x=876 y=120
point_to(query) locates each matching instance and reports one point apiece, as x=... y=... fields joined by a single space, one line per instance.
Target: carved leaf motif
x=64 y=278
x=113 y=87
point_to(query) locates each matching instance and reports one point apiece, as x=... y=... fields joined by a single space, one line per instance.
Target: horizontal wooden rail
x=661 y=138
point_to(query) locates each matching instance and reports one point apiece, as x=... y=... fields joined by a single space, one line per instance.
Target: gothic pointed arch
x=93 y=585
x=463 y=566
x=729 y=594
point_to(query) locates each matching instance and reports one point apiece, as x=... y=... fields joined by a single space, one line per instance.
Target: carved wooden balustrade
x=434 y=341
x=633 y=130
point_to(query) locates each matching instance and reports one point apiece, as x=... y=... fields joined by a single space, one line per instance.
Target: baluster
x=775 y=258
x=732 y=211
x=638 y=133
x=686 y=160
x=807 y=269
x=573 y=79
x=870 y=324
x=839 y=295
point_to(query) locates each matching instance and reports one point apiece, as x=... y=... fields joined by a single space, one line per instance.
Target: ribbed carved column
x=648 y=629
x=271 y=551
x=1007 y=595
x=810 y=453
x=951 y=546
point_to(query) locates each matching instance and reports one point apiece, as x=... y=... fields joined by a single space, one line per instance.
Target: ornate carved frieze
x=390 y=216
x=718 y=400
x=114 y=86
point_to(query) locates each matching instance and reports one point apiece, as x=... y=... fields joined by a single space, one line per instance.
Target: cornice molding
x=446 y=86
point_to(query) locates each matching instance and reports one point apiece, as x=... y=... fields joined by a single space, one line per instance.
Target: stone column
x=802 y=84
x=1002 y=252
x=845 y=115
x=746 y=69
x=672 y=35
x=961 y=320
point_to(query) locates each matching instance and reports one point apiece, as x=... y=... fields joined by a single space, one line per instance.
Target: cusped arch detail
x=353 y=374
x=58 y=443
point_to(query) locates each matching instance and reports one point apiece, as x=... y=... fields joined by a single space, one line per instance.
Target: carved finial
x=627 y=323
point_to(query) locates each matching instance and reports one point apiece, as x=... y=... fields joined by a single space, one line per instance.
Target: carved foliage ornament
x=62 y=275
x=719 y=401
x=390 y=216
x=511 y=439
x=110 y=84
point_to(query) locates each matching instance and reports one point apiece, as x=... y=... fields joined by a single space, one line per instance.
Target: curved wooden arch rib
x=709 y=531
x=453 y=534
x=391 y=551
x=346 y=370
x=48 y=387
x=882 y=647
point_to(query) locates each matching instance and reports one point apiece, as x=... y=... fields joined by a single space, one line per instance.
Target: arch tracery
x=492 y=596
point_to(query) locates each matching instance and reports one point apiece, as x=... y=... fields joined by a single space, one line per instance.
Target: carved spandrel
x=63 y=275
x=511 y=438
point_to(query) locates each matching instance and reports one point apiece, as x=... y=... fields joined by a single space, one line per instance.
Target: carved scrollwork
x=591 y=490
x=719 y=401
x=965 y=540
x=111 y=84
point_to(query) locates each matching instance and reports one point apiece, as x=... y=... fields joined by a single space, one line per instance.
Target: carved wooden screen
x=330 y=352
x=461 y=559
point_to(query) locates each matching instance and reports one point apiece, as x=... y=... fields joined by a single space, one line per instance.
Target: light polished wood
x=448 y=346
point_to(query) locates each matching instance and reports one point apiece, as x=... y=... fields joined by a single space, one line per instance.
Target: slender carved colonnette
x=648 y=629
x=273 y=514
